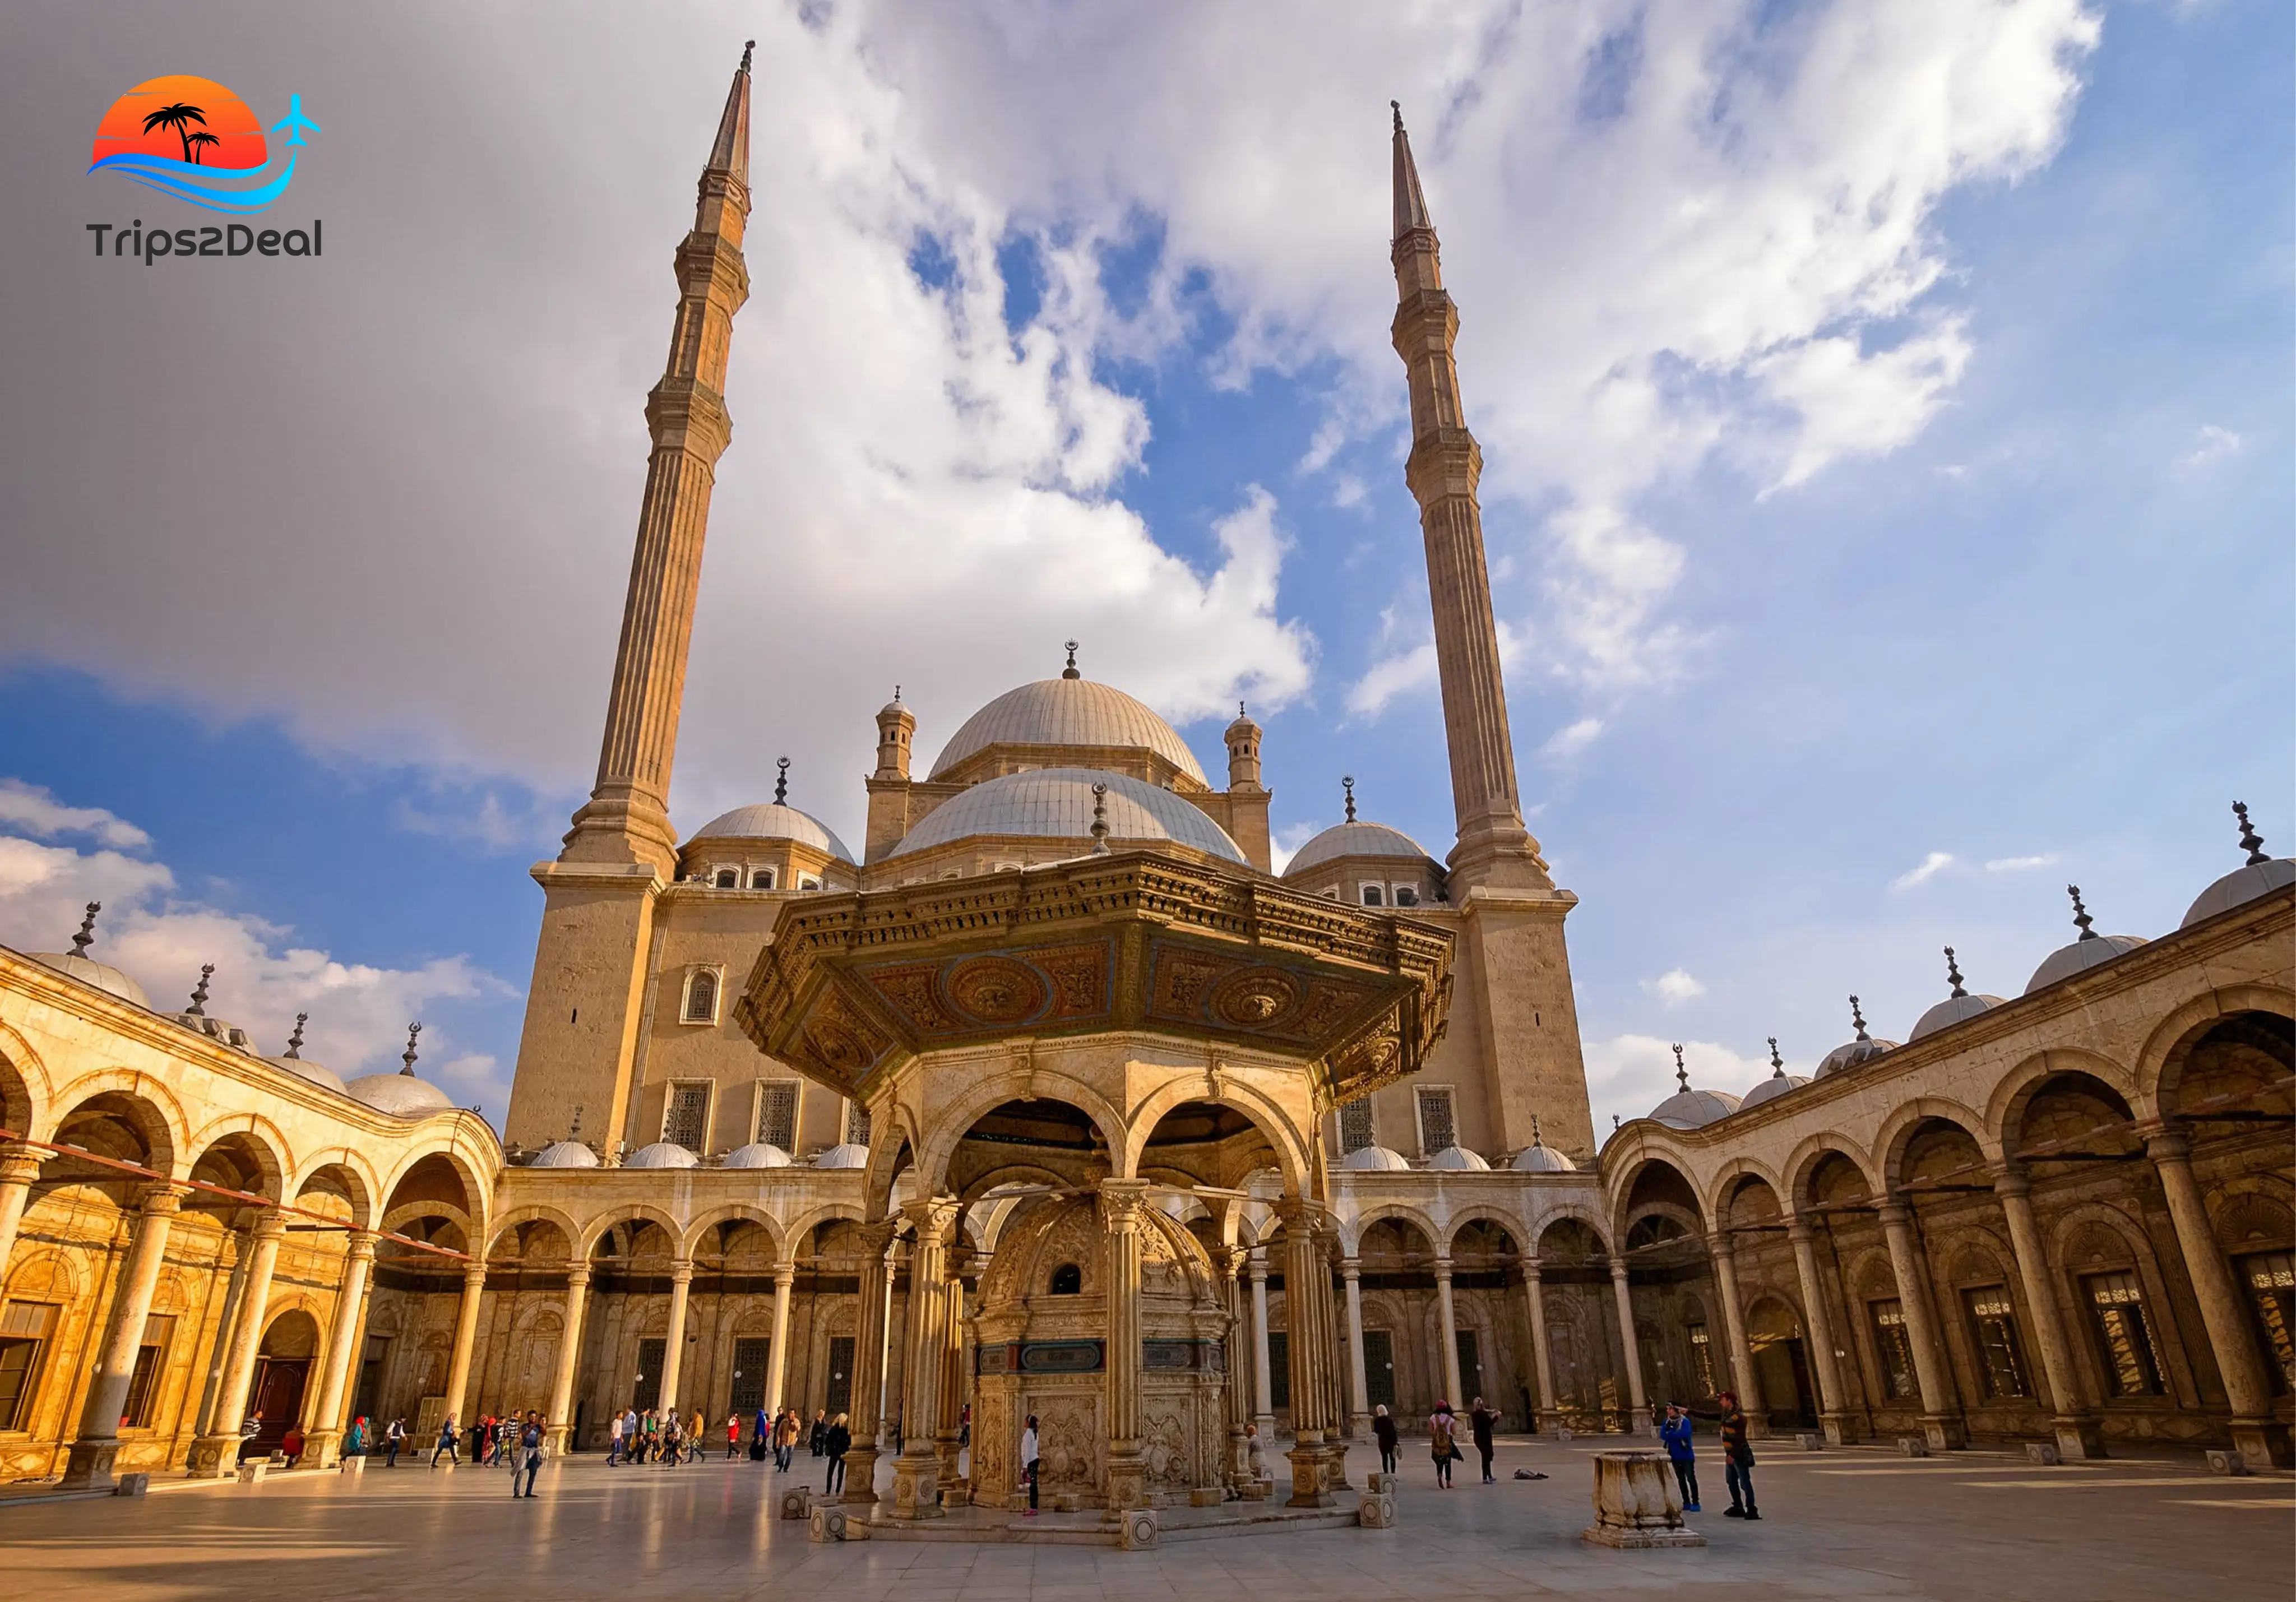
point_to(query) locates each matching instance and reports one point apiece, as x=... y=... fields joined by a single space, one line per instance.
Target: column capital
x=1800 y=1230
x=1351 y=1269
x=1718 y=1243
x=1442 y=1271
x=577 y=1276
x=1531 y=1265
x=2169 y=1145
x=1258 y=1259
x=158 y=1200
x=19 y=1164
x=877 y=1237
x=2010 y=1179
x=363 y=1244
x=1296 y=1211
x=474 y=1273
x=784 y=1276
x=681 y=1272
x=1121 y=1201
x=1892 y=1211
x=1618 y=1269
x=270 y=1224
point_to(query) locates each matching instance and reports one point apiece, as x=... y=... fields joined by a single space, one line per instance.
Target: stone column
x=218 y=1352
x=559 y=1425
x=777 y=1360
x=1233 y=1260
x=2247 y=1387
x=1263 y=1383
x=2077 y=1431
x=1745 y=1381
x=218 y=1450
x=1359 y=1385
x=673 y=1362
x=1940 y=1423
x=1834 y=1412
x=89 y=1465
x=896 y=1256
x=1121 y=1201
x=868 y=1365
x=1550 y=1410
x=1308 y=1350
x=1637 y=1399
x=323 y=1444
x=466 y=1336
x=1451 y=1381
x=954 y=1389
x=916 y=1472
x=19 y=1165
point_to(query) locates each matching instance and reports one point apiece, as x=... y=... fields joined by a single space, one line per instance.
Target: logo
x=191 y=138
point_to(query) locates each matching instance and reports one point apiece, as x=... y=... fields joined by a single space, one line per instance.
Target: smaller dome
x=1688 y=1109
x=662 y=1153
x=773 y=820
x=848 y=1155
x=1058 y=802
x=565 y=1153
x=1458 y=1160
x=1779 y=1082
x=2084 y=953
x=1540 y=1158
x=99 y=975
x=400 y=1095
x=1352 y=839
x=2241 y=885
x=1863 y=1048
x=1376 y=1160
x=1951 y=1011
x=318 y=1073
x=761 y=1154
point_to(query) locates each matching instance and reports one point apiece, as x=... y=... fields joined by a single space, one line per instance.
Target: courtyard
x=1857 y=1523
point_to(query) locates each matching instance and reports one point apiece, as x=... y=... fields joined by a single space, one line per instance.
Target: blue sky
x=1859 y=595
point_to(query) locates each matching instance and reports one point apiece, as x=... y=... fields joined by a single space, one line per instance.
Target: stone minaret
x=1513 y=965
x=587 y=1000
x=1493 y=847
x=626 y=819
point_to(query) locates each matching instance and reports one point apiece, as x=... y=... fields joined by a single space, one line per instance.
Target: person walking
x=393 y=1438
x=527 y=1457
x=447 y=1436
x=785 y=1434
x=732 y=1435
x=835 y=1440
x=1382 y=1429
x=482 y=1440
x=1443 y=1443
x=1481 y=1421
x=1029 y=1463
x=820 y=1436
x=355 y=1440
x=1737 y=1459
x=614 y=1441
x=1674 y=1429
x=696 y=1429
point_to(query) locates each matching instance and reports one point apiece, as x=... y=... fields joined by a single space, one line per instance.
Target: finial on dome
x=86 y=935
x=1777 y=1062
x=1239 y=709
x=1396 y=106
x=1858 y=1018
x=1681 y=1073
x=747 y=46
x=408 y=1058
x=1348 y=784
x=781 y=781
x=2081 y=919
x=574 y=1130
x=1099 y=820
x=897 y=694
x=294 y=1052
x=198 y=1007
x=2249 y=838
x=1071 y=670
x=1534 y=1130
x=1953 y=973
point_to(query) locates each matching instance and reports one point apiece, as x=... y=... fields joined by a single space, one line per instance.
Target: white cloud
x=1572 y=739
x=1392 y=676
x=1284 y=842
x=1673 y=987
x=1929 y=868
x=34 y=811
x=359 y=1012
x=2018 y=865
x=2211 y=444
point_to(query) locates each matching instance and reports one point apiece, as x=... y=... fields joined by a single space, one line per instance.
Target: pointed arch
x=957 y=1119
x=1267 y=1115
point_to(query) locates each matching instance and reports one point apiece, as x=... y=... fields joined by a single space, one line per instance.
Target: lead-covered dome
x=565 y=1153
x=1353 y=839
x=400 y=1095
x=1068 y=711
x=758 y=1154
x=1057 y=804
x=662 y=1153
x=1954 y=1007
x=1458 y=1160
x=2260 y=875
x=318 y=1073
x=1375 y=1160
x=773 y=820
x=848 y=1155
x=1779 y=1082
x=2084 y=953
x=1540 y=1158
x=1862 y=1047
x=98 y=976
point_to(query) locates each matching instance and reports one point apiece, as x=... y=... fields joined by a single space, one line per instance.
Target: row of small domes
x=571 y=1153
x=401 y=1094
x=1537 y=1158
x=1690 y=1109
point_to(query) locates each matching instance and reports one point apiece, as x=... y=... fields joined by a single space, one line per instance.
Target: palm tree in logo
x=197 y=144
x=180 y=118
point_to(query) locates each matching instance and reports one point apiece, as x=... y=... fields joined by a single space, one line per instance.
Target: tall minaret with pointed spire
x=1445 y=464
x=586 y=1004
x=626 y=819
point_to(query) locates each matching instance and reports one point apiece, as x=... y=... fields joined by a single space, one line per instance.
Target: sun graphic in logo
x=193 y=138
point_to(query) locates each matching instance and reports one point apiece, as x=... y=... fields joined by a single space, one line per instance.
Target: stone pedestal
x=917 y=1485
x=132 y=1484
x=1840 y=1428
x=2078 y=1438
x=798 y=1504
x=2229 y=1463
x=2044 y=1452
x=1128 y=1482
x=1943 y=1432
x=1309 y=1488
x=1913 y=1446
x=860 y=1475
x=1136 y=1529
x=1810 y=1442
x=1206 y=1495
x=1636 y=1504
x=1376 y=1511
x=251 y=1472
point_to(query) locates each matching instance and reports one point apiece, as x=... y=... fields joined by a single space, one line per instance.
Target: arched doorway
x=282 y=1374
x=1782 y=1364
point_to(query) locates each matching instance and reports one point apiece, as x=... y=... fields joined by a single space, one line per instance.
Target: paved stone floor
x=1860 y=1524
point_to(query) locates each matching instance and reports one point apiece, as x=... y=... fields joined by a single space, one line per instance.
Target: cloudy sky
x=1885 y=408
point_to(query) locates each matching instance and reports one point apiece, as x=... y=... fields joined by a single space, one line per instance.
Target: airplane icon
x=293 y=124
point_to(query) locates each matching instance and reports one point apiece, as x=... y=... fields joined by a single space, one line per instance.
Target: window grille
x=751 y=1360
x=702 y=997
x=1406 y=896
x=2271 y=1281
x=1893 y=1348
x=762 y=879
x=1379 y=1368
x=1437 y=1129
x=687 y=1123
x=838 y=1397
x=645 y=1390
x=2132 y=1362
x=151 y=1362
x=1993 y=1325
x=729 y=878
x=777 y=1114
x=856 y=1124
x=1354 y=1126
x=25 y=1327
x=1374 y=896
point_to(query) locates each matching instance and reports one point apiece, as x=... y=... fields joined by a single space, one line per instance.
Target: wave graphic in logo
x=191 y=138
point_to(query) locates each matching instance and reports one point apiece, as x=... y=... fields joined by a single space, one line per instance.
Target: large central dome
x=1071 y=712
x=1056 y=803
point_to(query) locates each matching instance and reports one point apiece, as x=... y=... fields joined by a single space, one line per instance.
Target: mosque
x=1055 y=1098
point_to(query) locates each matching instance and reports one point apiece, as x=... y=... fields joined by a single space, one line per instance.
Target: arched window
x=762 y=878
x=1068 y=1280
x=1406 y=896
x=701 y=997
x=729 y=878
x=1374 y=896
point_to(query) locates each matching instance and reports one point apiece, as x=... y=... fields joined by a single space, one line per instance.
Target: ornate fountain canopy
x=854 y=986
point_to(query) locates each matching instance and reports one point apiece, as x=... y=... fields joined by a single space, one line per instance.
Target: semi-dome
x=662 y=1153
x=1954 y=1007
x=2084 y=953
x=759 y=1154
x=401 y=1095
x=848 y=1155
x=318 y=1073
x=2260 y=875
x=1376 y=1160
x=565 y=1153
x=1353 y=839
x=1057 y=804
x=1779 y=1082
x=99 y=975
x=1540 y=1158
x=1068 y=711
x=1862 y=1048
x=1458 y=1160
x=773 y=820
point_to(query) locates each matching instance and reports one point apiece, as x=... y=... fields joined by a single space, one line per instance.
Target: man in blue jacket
x=1675 y=1431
